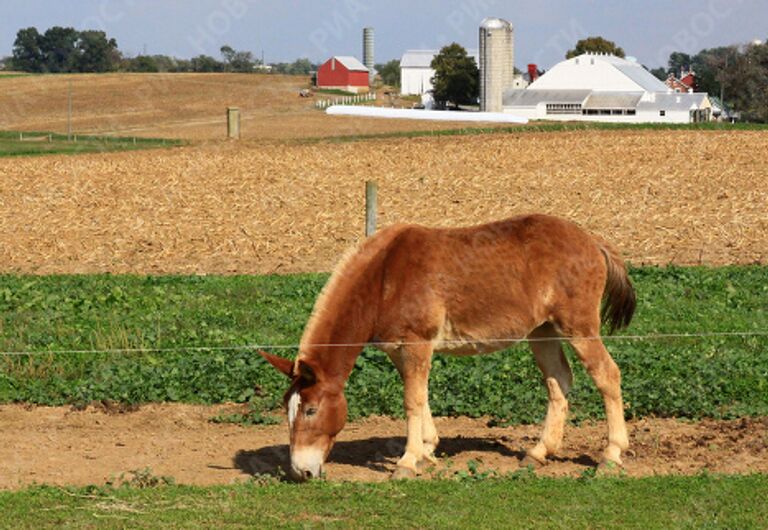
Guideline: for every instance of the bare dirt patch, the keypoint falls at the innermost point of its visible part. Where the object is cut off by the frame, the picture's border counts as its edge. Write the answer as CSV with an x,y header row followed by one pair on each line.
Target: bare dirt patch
x,y
662,197
61,446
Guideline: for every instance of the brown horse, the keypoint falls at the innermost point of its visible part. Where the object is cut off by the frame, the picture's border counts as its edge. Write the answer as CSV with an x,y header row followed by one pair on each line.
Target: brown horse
x,y
412,291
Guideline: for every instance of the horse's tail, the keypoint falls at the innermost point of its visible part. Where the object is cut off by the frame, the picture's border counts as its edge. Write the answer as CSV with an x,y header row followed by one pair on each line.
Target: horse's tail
x,y
619,300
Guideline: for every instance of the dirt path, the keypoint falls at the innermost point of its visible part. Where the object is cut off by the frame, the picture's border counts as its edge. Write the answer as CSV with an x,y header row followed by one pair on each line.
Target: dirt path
x,y
65,447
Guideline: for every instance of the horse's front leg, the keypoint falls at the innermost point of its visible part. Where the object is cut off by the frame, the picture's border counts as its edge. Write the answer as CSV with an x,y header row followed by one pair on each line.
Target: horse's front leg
x,y
413,363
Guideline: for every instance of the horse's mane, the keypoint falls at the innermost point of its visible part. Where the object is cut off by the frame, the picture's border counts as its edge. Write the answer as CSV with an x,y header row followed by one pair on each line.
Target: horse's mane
x,y
347,273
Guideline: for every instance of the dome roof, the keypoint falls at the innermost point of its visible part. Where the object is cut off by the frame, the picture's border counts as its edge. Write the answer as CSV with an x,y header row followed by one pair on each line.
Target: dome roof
x,y
494,23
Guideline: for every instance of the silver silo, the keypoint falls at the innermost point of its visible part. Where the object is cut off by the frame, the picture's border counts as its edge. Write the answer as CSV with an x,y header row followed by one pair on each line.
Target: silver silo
x,y
497,62
368,59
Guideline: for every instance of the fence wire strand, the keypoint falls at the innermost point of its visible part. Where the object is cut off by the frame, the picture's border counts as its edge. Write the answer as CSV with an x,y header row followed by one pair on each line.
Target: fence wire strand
x,y
491,341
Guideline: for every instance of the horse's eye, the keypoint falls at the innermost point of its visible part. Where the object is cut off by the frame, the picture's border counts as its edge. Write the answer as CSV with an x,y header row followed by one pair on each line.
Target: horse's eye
x,y
310,411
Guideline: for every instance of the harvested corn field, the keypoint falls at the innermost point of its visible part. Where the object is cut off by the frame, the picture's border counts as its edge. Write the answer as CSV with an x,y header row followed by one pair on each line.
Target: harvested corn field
x,y
183,106
684,197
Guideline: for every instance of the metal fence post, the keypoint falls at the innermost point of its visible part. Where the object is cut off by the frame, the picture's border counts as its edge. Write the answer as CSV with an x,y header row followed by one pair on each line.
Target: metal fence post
x,y
371,196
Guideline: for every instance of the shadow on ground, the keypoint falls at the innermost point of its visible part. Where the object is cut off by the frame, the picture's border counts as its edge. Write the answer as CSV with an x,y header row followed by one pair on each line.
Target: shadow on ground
x,y
378,454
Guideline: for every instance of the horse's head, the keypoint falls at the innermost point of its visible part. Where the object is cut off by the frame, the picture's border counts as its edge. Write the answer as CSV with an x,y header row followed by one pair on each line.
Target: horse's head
x,y
317,411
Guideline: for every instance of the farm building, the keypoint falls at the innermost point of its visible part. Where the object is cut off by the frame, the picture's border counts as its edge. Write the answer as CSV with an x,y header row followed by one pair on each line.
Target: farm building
x,y
416,71
598,87
686,82
343,73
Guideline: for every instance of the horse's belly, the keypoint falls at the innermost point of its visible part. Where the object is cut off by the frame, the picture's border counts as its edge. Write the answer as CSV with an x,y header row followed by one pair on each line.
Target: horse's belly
x,y
467,348
455,341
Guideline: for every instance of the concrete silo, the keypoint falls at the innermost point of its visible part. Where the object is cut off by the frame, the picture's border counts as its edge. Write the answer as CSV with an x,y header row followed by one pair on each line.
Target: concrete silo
x,y
368,59
497,62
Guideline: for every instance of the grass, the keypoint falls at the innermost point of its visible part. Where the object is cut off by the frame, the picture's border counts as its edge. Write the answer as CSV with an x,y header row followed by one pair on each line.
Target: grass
x,y
10,75
46,143
722,376
517,501
544,127
334,92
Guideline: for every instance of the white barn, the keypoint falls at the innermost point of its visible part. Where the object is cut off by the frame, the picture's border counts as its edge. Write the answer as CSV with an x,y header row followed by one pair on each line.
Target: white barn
x,y
416,72
593,87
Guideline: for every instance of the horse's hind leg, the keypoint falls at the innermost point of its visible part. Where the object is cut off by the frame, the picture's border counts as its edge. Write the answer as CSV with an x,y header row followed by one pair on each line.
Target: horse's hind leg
x,y
607,377
558,379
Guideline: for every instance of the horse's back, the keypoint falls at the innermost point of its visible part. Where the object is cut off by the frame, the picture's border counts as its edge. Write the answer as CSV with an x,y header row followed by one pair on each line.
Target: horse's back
x,y
496,279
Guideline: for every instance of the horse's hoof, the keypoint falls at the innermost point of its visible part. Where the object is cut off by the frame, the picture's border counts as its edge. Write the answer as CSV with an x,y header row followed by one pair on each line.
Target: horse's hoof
x,y
426,463
403,473
530,461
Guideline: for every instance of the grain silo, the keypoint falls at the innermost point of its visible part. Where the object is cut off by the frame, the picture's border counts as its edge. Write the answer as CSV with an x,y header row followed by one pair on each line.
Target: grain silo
x,y
368,59
497,62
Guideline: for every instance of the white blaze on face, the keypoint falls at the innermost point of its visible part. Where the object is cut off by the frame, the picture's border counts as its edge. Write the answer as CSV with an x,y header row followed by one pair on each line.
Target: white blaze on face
x,y
294,402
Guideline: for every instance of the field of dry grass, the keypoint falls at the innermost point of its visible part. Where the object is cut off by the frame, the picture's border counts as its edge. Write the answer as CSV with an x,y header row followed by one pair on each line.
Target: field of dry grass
x,y
686,197
186,106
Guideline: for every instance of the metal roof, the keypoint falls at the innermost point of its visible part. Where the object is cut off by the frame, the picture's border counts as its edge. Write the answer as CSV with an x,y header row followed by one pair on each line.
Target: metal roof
x,y
494,23
531,98
612,100
674,101
423,58
645,79
351,63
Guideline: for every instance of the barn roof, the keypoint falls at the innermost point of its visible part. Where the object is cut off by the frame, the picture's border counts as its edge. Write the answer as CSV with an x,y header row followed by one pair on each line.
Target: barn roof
x,y
675,101
351,63
599,72
531,98
423,58
613,100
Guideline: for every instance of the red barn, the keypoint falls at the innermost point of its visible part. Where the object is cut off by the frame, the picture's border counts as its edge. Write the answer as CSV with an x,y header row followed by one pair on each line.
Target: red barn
x,y
343,73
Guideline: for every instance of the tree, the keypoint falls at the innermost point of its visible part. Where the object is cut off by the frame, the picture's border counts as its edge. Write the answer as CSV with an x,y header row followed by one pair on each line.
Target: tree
x,y
143,64
660,73
595,45
457,78
678,61
237,61
96,53
205,63
389,72
750,95
300,67
713,69
27,52
59,48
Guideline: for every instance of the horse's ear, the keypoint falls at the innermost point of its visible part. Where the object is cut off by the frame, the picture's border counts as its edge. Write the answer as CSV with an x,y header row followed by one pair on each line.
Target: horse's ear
x,y
307,373
281,363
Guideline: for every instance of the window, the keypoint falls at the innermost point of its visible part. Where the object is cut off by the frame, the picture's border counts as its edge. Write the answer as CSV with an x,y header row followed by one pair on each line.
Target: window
x,y
662,113
631,112
563,108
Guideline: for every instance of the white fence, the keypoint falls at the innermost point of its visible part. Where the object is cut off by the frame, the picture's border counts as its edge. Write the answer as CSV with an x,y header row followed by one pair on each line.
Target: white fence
x,y
345,100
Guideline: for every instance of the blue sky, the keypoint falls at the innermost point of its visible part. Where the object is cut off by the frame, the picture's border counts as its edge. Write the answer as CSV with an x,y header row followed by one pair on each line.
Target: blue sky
x,y
288,29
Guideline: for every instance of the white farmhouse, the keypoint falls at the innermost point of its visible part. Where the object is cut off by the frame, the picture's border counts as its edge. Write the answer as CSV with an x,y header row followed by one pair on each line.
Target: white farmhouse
x,y
597,87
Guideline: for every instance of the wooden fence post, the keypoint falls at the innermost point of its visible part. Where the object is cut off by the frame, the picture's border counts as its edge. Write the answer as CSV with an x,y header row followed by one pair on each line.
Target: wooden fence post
x,y
233,123
371,196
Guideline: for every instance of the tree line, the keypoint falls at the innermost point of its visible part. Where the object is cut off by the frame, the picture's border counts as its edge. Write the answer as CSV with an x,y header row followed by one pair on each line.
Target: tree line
x,y
67,50
737,74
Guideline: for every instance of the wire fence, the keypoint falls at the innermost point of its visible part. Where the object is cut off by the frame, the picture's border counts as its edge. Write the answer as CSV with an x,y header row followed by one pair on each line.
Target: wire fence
x,y
484,342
